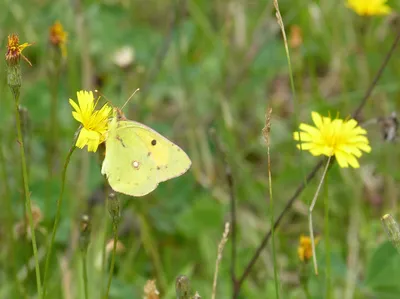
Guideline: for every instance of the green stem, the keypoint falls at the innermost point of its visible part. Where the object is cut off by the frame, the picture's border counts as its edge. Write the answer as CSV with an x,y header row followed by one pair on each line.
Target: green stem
x,y
57,219
27,193
115,229
271,206
84,269
103,252
151,247
310,210
327,243
292,86
306,289
53,128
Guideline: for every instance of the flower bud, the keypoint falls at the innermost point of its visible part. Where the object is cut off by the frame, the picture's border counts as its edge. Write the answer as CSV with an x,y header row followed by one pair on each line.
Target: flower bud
x,y
114,208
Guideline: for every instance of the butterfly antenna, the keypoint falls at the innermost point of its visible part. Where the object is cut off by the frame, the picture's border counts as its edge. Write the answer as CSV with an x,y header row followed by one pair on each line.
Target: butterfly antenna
x,y
129,98
102,95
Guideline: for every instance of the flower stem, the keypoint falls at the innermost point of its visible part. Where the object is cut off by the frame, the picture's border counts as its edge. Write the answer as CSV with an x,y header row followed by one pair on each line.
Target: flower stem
x,y
267,135
103,252
57,218
84,270
304,277
327,244
84,239
115,230
26,191
310,215
53,128
292,86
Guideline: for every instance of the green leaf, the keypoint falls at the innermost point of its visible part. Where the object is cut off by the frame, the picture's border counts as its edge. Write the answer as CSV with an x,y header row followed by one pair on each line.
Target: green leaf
x,y
383,272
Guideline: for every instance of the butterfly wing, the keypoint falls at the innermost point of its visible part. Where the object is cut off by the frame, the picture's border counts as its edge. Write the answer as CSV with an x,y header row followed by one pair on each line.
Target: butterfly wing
x,y
138,158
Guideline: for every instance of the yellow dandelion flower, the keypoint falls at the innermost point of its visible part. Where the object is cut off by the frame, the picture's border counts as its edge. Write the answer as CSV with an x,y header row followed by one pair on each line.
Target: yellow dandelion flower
x,y
58,37
94,122
14,50
304,251
369,7
343,139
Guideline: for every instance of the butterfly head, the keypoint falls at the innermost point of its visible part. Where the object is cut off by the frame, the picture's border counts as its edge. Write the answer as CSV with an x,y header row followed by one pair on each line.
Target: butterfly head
x,y
119,115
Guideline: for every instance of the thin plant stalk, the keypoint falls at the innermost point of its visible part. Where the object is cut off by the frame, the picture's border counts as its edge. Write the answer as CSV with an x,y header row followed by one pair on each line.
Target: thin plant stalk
x,y
28,205
327,242
292,86
151,247
266,133
53,128
219,258
310,215
103,252
84,239
84,273
57,218
232,198
115,229
306,291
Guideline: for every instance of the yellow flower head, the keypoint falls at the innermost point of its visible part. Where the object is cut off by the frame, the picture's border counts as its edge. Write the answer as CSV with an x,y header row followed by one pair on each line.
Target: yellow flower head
x,y
304,251
369,7
14,50
58,37
343,139
94,122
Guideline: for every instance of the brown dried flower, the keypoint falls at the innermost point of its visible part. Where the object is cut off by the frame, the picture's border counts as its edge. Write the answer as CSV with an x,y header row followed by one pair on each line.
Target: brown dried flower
x,y
58,37
14,50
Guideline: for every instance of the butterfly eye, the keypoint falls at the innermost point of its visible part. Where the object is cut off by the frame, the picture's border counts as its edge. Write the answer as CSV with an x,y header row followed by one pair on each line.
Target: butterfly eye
x,y
153,142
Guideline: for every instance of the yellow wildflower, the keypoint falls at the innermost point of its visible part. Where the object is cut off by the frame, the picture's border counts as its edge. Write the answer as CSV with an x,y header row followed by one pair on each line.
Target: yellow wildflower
x,y
369,7
14,50
58,37
94,122
343,139
304,251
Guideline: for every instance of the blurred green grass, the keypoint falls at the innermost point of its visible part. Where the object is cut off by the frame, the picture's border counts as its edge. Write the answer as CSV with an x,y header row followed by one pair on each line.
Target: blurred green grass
x,y
225,64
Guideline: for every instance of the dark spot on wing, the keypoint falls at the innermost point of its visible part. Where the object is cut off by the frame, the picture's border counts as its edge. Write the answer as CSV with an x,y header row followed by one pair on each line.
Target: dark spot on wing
x,y
158,168
148,154
120,140
153,142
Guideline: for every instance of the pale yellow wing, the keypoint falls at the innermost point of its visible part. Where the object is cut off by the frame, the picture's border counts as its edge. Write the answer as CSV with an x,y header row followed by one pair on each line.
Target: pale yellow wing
x,y
138,158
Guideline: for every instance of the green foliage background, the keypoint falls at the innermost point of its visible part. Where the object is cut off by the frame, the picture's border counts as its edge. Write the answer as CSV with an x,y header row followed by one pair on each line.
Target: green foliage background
x,y
200,65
